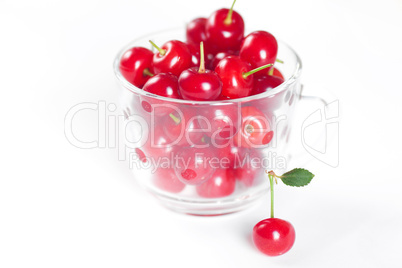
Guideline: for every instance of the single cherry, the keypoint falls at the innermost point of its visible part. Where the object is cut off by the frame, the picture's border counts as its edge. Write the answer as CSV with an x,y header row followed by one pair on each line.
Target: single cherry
x,y
265,83
172,57
194,166
274,236
165,85
220,184
200,83
166,179
195,31
255,130
225,30
259,48
136,65
236,76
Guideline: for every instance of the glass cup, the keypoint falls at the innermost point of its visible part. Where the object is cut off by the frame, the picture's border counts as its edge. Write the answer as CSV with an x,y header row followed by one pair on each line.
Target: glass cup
x,y
209,157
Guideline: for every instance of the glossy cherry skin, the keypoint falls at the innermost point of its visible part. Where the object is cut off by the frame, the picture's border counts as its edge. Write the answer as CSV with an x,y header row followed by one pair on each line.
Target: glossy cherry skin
x,y
176,59
274,236
222,37
165,85
195,31
193,165
265,83
218,57
195,54
219,185
199,86
259,48
231,70
133,63
255,130
166,179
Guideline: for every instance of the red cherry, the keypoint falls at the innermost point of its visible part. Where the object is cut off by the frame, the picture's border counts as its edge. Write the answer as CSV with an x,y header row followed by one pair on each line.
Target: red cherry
x,y
255,131
193,165
218,57
259,48
136,65
165,85
166,179
225,30
219,185
265,83
274,236
195,31
234,84
199,86
200,83
172,57
183,129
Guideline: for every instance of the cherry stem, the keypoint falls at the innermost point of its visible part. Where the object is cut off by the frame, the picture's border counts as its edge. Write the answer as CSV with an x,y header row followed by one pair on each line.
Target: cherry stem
x,y
201,70
161,51
271,71
279,60
271,184
175,119
256,70
228,19
146,72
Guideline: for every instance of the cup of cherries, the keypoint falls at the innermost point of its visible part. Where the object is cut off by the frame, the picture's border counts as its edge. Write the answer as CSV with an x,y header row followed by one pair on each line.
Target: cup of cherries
x,y
208,109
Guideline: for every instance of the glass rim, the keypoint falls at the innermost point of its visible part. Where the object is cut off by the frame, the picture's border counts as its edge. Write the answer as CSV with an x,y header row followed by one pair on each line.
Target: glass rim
x,y
123,81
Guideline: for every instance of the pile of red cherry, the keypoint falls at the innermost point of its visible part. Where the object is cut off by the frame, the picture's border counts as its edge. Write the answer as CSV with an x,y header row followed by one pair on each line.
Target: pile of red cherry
x,y
233,66
216,63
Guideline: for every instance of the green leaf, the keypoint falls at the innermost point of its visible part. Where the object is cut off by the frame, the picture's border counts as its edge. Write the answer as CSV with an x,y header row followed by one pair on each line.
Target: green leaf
x,y
297,177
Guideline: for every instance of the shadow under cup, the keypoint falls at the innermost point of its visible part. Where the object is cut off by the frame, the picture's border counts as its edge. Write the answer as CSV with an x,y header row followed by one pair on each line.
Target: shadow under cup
x,y
208,158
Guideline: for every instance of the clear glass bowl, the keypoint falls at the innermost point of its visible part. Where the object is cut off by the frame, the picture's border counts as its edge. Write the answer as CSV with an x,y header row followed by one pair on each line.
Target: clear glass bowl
x,y
148,118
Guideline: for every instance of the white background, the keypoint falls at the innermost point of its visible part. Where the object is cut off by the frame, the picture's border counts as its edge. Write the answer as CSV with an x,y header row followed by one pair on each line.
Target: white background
x,y
61,206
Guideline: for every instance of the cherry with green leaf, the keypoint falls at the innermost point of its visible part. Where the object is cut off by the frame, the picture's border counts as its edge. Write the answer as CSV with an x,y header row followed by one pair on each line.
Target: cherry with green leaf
x,y
274,236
